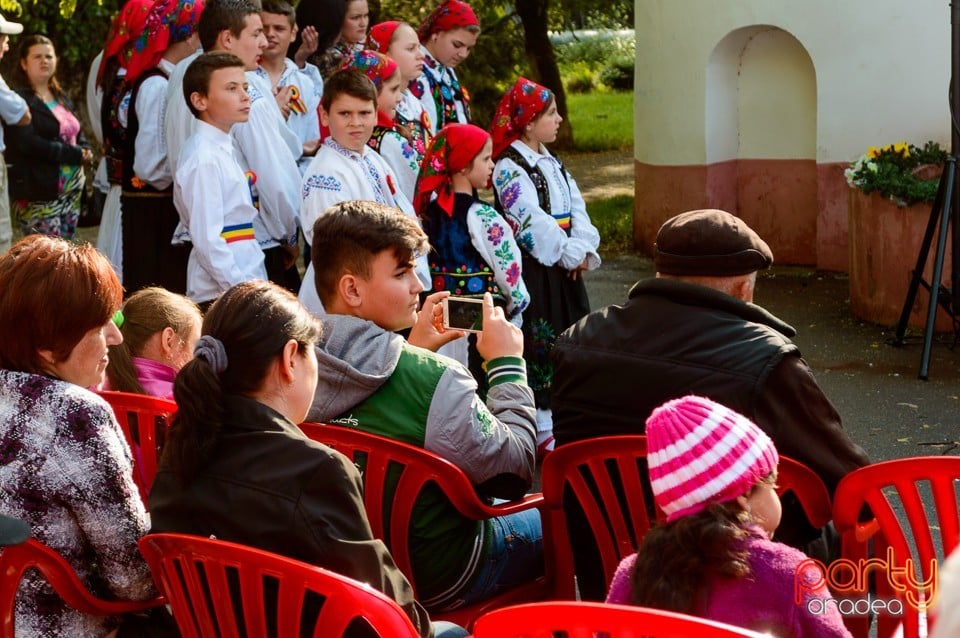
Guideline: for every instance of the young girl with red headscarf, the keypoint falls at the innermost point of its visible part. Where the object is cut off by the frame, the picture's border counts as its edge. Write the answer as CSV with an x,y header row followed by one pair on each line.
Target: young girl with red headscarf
x,y
541,201
389,139
447,37
472,247
399,42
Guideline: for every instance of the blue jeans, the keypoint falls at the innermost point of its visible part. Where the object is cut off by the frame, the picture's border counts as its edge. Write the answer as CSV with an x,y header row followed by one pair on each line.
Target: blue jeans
x,y
514,556
444,629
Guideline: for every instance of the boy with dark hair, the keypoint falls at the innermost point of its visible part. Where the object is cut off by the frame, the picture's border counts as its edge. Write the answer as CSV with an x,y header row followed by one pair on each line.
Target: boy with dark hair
x,y
267,149
374,380
346,168
210,188
298,89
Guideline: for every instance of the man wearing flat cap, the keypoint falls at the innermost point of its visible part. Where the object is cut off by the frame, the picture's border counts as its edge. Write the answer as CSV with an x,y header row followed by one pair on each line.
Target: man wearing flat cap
x,y
695,330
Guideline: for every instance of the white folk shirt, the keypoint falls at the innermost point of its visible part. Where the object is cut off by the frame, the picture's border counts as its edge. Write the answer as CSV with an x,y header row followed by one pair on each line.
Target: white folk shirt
x,y
150,148
12,109
264,146
537,231
213,199
403,159
303,120
178,121
444,75
336,175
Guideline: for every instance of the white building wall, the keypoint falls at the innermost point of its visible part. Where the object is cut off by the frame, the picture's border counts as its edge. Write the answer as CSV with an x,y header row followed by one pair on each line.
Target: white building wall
x,y
881,69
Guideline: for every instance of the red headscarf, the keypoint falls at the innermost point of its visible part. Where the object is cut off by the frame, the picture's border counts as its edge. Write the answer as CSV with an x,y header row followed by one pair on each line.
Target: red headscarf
x,y
451,150
125,28
381,34
168,21
523,102
451,14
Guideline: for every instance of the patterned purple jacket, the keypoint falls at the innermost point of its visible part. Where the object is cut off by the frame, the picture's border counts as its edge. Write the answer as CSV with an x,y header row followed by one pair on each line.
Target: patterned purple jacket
x,y
66,469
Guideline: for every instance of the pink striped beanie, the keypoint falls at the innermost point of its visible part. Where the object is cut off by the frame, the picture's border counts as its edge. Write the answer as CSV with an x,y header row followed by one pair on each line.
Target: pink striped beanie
x,y
700,452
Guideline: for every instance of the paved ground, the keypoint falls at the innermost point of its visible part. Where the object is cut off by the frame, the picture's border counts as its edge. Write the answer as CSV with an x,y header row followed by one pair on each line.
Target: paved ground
x,y
885,407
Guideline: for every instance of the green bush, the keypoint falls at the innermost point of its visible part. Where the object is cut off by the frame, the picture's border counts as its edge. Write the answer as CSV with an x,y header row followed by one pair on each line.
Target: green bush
x,y
613,217
617,73
578,77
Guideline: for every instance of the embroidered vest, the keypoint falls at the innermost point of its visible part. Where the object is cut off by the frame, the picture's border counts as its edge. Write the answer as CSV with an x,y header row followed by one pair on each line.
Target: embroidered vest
x,y
538,179
131,183
455,265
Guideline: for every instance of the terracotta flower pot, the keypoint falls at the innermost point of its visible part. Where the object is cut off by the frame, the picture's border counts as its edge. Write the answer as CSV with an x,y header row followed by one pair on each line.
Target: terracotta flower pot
x,y
884,243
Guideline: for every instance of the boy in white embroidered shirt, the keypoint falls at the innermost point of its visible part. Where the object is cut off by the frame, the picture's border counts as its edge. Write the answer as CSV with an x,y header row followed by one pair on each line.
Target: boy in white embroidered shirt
x,y
345,168
210,189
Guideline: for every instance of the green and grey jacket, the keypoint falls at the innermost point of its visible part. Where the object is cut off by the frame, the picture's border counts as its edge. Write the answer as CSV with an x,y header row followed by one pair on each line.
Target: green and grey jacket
x,y
373,380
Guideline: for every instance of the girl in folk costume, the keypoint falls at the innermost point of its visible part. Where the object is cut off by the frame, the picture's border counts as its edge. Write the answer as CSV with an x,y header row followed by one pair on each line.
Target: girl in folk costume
x,y
115,101
352,37
549,217
472,247
389,139
447,37
149,216
399,42
713,473
473,250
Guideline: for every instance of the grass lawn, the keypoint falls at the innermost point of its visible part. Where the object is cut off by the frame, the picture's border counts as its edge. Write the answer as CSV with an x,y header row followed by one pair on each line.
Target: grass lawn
x,y
613,217
601,120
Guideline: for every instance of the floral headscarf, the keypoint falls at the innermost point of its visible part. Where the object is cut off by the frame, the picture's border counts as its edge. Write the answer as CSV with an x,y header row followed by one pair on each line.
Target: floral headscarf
x,y
523,102
168,21
124,30
372,64
451,14
381,34
451,151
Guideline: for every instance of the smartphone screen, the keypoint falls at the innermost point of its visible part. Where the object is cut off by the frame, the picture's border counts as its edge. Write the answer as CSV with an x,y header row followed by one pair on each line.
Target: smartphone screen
x,y
463,314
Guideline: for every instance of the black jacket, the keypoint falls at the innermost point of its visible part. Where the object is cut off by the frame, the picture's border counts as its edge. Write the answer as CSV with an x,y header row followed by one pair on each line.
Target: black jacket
x,y
268,486
672,338
35,152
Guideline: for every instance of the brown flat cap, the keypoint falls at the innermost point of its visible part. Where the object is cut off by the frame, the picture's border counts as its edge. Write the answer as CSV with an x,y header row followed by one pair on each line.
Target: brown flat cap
x,y
709,243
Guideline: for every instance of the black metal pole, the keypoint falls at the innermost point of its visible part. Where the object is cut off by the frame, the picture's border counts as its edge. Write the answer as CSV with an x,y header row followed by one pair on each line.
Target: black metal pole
x,y
953,203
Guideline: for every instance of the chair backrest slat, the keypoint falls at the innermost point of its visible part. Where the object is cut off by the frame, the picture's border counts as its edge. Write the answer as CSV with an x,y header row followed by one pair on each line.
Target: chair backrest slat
x,y
144,420
908,499
219,589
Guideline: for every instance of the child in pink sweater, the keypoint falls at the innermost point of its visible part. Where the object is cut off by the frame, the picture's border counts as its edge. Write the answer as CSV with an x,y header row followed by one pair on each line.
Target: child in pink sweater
x,y
713,473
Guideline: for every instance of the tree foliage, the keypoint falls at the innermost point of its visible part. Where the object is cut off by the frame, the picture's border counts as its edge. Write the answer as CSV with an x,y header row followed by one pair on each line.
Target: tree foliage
x,y
78,29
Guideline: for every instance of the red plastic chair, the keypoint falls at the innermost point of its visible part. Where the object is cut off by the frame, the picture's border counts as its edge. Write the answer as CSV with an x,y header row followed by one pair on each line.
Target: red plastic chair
x,y
32,554
599,472
587,620
144,420
219,589
386,460
909,499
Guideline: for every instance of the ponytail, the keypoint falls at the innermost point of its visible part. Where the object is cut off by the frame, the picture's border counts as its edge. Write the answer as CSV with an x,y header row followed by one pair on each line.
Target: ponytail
x,y
244,332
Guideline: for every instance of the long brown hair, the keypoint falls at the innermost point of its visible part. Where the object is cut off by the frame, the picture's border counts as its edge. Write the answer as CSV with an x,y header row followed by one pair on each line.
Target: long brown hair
x,y
676,559
145,313
20,76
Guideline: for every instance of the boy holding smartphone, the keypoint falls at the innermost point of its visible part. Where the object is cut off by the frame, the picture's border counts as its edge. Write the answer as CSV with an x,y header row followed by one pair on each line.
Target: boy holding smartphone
x,y
374,380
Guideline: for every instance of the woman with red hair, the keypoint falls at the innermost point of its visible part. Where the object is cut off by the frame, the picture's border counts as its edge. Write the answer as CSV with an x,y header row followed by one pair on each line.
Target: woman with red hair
x,y
66,468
